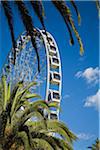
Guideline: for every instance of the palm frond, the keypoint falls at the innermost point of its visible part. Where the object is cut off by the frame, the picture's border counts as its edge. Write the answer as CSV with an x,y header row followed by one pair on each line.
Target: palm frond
x,y
21,96
77,36
8,14
5,88
35,114
35,106
26,89
57,5
66,14
28,23
13,98
1,106
25,128
54,104
37,126
70,33
76,10
61,129
41,144
8,92
22,101
38,8
23,136
63,145
1,97
98,6
3,122
52,126
32,110
29,96
45,137
4,113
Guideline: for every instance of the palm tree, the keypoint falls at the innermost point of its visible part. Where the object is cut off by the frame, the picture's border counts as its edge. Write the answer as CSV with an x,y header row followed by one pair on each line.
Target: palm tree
x,y
96,145
38,8
23,125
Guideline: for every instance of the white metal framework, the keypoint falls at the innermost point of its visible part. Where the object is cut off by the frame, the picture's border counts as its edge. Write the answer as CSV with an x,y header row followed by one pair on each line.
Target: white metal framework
x,y
26,61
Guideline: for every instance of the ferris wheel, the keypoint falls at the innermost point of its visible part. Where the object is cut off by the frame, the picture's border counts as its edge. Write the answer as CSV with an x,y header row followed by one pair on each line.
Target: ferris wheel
x,y
49,80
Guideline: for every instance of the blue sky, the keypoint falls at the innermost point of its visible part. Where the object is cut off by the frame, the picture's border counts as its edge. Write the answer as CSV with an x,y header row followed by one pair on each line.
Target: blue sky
x,y
80,73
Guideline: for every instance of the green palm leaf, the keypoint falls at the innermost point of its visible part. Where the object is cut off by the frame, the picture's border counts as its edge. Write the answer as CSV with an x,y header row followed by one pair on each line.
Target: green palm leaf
x,y
45,137
39,144
53,127
23,136
61,129
21,96
4,84
63,145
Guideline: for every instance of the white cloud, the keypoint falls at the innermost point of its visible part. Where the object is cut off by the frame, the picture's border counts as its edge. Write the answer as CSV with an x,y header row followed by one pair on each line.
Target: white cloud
x,y
91,75
66,96
84,136
93,101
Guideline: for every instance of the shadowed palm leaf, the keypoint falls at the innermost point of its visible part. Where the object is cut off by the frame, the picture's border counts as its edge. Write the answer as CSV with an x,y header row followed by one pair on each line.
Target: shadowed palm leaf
x,y
66,14
39,10
27,21
77,12
8,14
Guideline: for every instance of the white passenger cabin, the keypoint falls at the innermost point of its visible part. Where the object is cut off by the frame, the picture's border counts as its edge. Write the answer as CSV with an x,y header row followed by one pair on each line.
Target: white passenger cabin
x,y
54,62
53,96
51,41
54,77
52,50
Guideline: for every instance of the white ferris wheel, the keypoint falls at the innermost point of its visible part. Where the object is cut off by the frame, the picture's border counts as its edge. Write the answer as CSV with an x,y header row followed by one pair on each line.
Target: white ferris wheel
x,y
25,68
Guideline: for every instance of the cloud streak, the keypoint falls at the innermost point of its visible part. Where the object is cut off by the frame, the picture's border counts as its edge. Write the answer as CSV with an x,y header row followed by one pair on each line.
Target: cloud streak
x,y
93,101
66,96
84,136
91,75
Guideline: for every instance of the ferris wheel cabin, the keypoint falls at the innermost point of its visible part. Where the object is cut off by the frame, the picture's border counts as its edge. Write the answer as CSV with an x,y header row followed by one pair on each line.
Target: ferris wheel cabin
x,y
53,96
54,62
55,77
52,50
